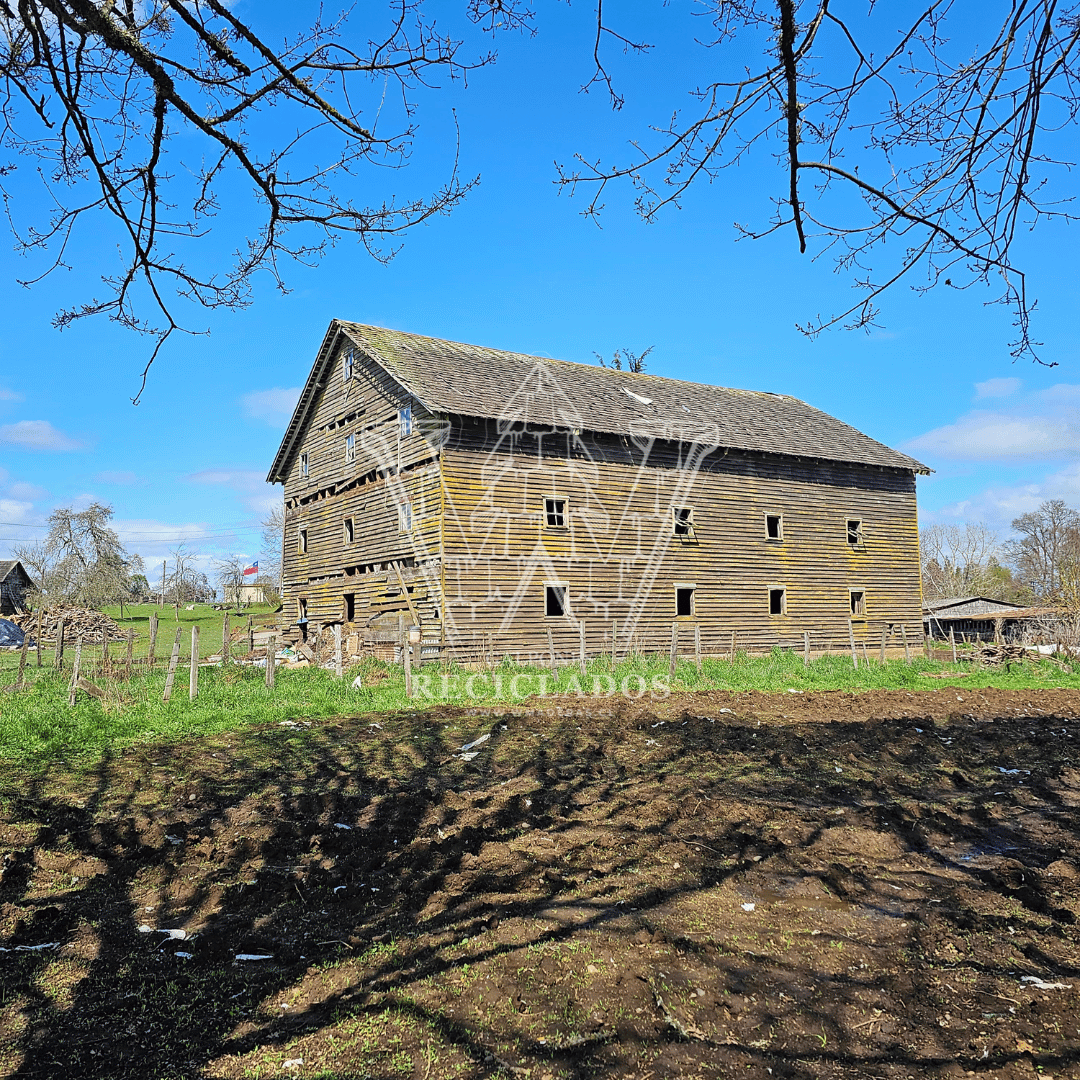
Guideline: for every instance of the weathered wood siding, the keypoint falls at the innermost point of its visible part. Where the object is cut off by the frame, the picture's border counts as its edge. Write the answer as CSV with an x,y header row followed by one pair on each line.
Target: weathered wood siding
x,y
389,471
621,561
476,559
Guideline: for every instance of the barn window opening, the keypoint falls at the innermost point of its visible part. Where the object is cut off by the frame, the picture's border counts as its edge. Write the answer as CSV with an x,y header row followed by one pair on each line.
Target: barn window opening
x,y
774,526
301,545
858,602
347,364
301,611
350,607
350,448
554,601
348,530
777,601
684,602
854,532
683,520
555,513
404,517
304,464
405,420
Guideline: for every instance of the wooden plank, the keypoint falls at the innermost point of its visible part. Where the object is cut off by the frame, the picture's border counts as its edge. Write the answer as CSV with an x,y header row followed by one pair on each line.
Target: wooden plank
x,y
271,660
581,645
337,651
37,636
884,631
697,645
153,639
193,670
174,660
674,649
226,644
130,651
854,654
907,647
58,655
75,672
406,659
21,680
806,648
952,642
614,642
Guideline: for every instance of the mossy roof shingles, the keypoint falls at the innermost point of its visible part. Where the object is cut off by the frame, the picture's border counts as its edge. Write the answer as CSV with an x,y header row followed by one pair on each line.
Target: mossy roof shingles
x,y
471,380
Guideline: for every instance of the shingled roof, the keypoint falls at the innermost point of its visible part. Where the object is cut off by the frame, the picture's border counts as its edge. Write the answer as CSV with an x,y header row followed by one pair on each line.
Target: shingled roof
x,y
470,380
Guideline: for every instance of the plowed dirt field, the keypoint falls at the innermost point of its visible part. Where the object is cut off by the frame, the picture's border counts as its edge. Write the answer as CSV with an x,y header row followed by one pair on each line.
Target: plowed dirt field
x,y
793,885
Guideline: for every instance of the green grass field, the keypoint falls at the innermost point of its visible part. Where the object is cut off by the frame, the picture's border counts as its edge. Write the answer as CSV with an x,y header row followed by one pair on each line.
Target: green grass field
x,y
38,723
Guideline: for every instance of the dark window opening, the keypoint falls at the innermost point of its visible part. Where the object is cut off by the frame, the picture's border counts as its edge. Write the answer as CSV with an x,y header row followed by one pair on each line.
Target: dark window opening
x,y
554,601
684,520
858,602
302,543
774,526
776,601
348,530
684,602
555,513
350,607
854,533
304,464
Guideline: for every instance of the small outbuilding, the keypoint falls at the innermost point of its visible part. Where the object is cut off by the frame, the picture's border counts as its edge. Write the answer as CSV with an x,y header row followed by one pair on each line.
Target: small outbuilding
x,y
980,618
15,584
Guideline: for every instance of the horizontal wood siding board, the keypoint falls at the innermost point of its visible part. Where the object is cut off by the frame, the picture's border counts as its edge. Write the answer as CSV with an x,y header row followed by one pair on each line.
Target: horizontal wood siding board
x,y
495,542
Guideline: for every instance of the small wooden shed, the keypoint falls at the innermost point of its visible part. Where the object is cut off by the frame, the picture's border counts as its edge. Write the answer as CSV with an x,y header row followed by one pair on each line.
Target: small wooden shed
x,y
15,583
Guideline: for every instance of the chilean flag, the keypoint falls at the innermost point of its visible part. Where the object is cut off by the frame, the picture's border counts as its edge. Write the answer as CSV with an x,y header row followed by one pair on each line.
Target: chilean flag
x,y
252,569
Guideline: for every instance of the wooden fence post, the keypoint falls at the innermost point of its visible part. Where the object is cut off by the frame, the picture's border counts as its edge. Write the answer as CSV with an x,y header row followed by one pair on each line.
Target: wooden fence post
x,y
614,642
22,660
58,654
37,636
907,647
130,651
551,648
883,633
105,664
170,675
337,650
581,644
865,655
806,648
193,671
153,641
406,659
271,660
75,672
733,646
674,648
926,645
952,642
854,654
697,645
251,637
226,655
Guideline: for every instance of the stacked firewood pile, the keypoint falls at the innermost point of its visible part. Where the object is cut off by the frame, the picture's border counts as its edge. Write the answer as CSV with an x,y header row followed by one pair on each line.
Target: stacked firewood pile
x,y
91,626
992,653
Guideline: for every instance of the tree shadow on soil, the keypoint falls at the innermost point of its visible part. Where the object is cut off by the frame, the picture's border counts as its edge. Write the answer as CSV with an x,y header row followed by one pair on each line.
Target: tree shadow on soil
x,y
604,895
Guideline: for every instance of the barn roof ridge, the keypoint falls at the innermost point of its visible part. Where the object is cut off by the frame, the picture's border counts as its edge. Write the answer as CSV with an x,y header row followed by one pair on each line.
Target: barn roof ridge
x,y
475,380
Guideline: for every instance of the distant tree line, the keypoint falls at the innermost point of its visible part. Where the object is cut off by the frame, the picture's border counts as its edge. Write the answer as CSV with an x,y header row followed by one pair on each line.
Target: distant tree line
x,y
1039,565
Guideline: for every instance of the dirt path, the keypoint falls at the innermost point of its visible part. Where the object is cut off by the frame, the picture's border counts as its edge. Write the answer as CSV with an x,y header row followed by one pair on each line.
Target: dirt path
x,y
790,885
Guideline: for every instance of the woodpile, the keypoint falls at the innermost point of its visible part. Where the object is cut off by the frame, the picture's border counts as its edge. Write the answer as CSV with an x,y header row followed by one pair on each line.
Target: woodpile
x,y
91,626
991,654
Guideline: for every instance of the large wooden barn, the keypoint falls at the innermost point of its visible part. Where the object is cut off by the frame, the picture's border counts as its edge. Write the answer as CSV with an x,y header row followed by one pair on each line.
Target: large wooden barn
x,y
503,502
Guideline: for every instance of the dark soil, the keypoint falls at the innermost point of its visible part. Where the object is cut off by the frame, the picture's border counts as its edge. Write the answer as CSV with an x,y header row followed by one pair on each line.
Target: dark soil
x,y
791,885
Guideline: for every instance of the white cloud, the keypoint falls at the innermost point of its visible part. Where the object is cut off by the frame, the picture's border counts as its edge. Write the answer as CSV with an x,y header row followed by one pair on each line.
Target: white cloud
x,y
21,490
113,476
37,435
9,395
256,494
997,388
18,512
274,406
1043,424
997,506
982,436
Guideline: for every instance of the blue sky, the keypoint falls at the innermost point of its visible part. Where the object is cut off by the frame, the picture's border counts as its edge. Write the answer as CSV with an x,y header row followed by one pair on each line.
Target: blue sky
x,y
518,267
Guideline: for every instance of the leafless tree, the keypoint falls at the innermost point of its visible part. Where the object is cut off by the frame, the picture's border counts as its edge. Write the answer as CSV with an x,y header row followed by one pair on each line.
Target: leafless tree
x,y
963,560
81,560
1047,551
273,527
186,583
230,574
913,144
149,114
